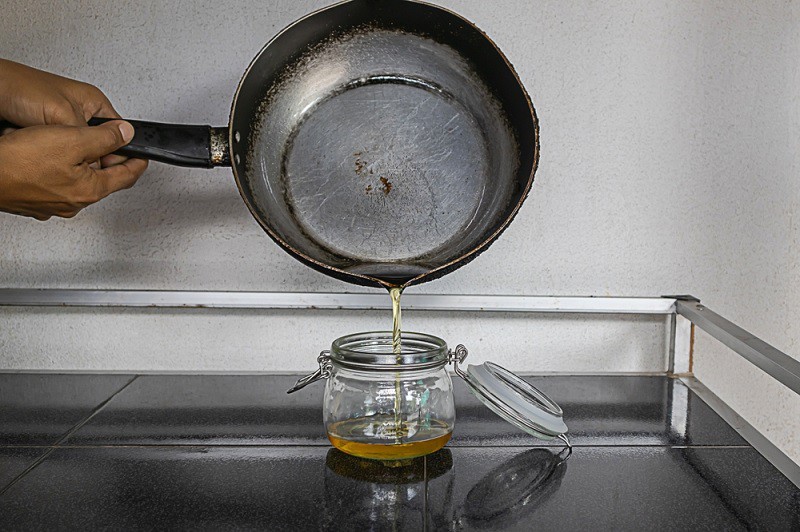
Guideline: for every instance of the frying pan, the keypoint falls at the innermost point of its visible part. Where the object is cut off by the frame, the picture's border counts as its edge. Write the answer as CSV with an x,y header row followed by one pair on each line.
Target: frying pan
x,y
381,142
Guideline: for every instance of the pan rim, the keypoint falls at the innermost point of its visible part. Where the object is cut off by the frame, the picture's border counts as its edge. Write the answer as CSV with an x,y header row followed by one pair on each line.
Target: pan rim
x,y
462,259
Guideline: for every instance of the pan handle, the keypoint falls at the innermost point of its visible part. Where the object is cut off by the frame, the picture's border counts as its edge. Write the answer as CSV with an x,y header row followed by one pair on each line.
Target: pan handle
x,y
176,144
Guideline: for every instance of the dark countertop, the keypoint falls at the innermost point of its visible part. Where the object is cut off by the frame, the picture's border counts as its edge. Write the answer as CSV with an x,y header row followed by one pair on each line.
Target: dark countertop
x,y
221,452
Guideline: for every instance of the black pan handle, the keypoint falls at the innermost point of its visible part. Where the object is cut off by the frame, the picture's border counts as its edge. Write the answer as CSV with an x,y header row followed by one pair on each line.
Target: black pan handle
x,y
176,144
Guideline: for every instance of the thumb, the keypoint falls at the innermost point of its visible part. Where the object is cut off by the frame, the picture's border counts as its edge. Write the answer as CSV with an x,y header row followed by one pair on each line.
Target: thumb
x,y
94,142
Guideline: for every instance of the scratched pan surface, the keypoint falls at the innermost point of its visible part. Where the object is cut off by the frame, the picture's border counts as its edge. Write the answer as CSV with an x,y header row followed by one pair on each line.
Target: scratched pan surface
x,y
383,142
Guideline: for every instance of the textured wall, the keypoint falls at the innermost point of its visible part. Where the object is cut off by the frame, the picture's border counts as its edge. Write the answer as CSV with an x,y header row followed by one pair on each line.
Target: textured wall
x,y
669,164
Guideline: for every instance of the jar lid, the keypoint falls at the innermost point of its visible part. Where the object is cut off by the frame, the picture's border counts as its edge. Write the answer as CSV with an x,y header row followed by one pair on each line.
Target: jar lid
x,y
515,400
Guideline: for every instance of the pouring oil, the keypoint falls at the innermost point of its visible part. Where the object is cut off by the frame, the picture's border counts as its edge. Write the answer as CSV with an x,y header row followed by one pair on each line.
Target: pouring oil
x,y
395,294
401,429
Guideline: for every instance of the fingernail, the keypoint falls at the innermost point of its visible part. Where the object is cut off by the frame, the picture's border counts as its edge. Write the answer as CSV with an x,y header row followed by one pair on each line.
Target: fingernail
x,y
127,131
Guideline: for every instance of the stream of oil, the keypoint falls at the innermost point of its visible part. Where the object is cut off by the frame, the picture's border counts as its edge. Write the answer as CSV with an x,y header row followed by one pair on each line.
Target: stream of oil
x,y
400,427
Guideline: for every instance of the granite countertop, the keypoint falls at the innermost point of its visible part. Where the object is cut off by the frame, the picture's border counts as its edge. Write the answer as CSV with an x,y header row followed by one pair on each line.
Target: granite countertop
x,y
228,451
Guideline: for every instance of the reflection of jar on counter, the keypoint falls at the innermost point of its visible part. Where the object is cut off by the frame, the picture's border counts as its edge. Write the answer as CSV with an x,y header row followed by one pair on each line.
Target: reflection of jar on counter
x,y
366,495
387,406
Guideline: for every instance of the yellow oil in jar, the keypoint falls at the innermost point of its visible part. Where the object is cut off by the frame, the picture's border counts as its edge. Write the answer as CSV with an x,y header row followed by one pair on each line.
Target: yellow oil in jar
x,y
359,437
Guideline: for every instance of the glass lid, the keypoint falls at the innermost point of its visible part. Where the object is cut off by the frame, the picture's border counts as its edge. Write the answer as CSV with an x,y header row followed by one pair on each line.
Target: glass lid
x,y
513,399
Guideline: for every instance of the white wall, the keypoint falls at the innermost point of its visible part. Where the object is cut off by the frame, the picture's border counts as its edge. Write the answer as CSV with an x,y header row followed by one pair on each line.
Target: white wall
x,y
669,165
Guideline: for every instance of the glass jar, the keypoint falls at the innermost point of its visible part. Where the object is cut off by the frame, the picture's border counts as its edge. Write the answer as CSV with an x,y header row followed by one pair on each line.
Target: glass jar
x,y
394,406
386,406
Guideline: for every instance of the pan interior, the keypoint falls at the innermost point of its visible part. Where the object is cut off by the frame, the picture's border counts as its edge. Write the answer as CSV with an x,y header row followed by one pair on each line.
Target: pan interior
x,y
386,170
381,153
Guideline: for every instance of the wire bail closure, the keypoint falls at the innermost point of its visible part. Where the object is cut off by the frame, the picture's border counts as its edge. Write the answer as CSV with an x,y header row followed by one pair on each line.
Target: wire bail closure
x,y
323,372
456,356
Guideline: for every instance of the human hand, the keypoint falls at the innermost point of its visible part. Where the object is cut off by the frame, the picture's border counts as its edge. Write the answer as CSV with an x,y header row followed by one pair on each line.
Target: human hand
x,y
31,97
47,170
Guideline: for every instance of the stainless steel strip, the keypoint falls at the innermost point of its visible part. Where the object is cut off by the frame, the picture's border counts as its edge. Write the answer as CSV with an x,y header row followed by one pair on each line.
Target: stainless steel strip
x,y
313,300
776,363
300,373
760,443
680,354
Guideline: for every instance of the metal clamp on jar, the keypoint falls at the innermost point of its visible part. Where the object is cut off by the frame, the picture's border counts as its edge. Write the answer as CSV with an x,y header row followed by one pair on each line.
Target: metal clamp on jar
x,y
393,406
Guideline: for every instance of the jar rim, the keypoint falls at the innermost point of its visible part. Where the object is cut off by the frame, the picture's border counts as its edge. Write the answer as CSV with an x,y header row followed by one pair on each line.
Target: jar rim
x,y
373,351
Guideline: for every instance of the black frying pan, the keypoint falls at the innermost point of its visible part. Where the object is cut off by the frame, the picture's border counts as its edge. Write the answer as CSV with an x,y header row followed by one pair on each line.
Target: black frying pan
x,y
382,142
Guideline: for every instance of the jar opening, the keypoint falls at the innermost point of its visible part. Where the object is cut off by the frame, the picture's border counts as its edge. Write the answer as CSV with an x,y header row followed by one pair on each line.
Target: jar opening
x,y
374,351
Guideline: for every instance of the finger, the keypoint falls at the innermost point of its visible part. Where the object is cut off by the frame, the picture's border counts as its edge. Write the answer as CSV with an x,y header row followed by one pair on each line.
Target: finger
x,y
121,176
68,213
80,119
98,104
107,111
65,114
112,160
101,109
98,141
